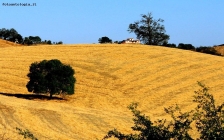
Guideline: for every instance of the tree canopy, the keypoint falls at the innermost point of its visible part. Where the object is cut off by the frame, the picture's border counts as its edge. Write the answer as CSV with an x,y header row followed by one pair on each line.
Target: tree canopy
x,y
149,30
185,46
51,76
105,39
35,39
11,35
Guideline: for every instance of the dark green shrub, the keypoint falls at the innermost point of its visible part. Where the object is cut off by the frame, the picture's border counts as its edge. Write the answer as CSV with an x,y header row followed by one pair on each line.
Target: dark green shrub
x,y
27,41
60,42
186,46
26,134
49,42
171,45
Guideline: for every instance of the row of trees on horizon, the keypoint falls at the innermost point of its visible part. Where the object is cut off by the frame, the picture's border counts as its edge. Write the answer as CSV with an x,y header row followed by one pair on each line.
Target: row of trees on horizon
x,y
150,31
13,36
203,49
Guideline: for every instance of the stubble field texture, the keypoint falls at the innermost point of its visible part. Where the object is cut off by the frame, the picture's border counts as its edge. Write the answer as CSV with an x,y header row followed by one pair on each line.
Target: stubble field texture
x,y
109,78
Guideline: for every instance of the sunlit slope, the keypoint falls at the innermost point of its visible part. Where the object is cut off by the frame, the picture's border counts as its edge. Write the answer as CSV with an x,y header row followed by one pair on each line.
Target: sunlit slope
x,y
109,78
4,43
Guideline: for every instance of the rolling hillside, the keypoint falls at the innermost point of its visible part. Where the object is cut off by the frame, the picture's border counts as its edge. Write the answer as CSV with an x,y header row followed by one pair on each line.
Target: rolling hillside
x,y
4,43
109,78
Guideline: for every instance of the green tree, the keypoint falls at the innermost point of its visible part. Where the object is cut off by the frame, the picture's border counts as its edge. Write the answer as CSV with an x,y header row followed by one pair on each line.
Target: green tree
x,y
27,41
60,42
207,117
149,30
51,77
35,39
10,35
49,42
19,38
4,33
105,39
171,45
116,42
185,46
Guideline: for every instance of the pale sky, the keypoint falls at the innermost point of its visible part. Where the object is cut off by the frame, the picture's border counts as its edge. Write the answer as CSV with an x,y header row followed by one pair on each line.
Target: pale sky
x,y
196,22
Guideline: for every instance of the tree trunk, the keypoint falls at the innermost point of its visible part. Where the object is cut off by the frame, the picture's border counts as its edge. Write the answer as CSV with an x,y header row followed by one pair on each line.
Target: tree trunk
x,y
50,96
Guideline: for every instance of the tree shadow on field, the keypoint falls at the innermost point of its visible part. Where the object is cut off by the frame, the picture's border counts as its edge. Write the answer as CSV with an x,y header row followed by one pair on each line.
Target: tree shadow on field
x,y
32,96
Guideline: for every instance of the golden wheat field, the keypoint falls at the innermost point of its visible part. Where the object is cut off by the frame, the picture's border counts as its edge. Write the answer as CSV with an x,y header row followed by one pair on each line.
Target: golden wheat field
x,y
4,43
109,78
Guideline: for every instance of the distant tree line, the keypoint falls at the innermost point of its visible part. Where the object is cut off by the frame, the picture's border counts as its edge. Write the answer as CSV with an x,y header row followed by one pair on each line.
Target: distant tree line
x,y
150,31
208,50
202,49
13,36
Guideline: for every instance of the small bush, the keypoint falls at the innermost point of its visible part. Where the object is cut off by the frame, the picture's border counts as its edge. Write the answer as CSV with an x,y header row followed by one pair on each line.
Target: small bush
x,y
26,134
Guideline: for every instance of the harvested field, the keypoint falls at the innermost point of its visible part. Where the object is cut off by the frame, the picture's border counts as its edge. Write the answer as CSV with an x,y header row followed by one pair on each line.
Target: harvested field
x,y
109,78
4,43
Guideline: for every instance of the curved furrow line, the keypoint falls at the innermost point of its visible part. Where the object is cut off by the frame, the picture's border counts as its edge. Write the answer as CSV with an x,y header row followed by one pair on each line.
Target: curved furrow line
x,y
129,66
8,117
97,71
150,77
96,122
53,121
163,82
194,69
156,65
176,89
182,78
